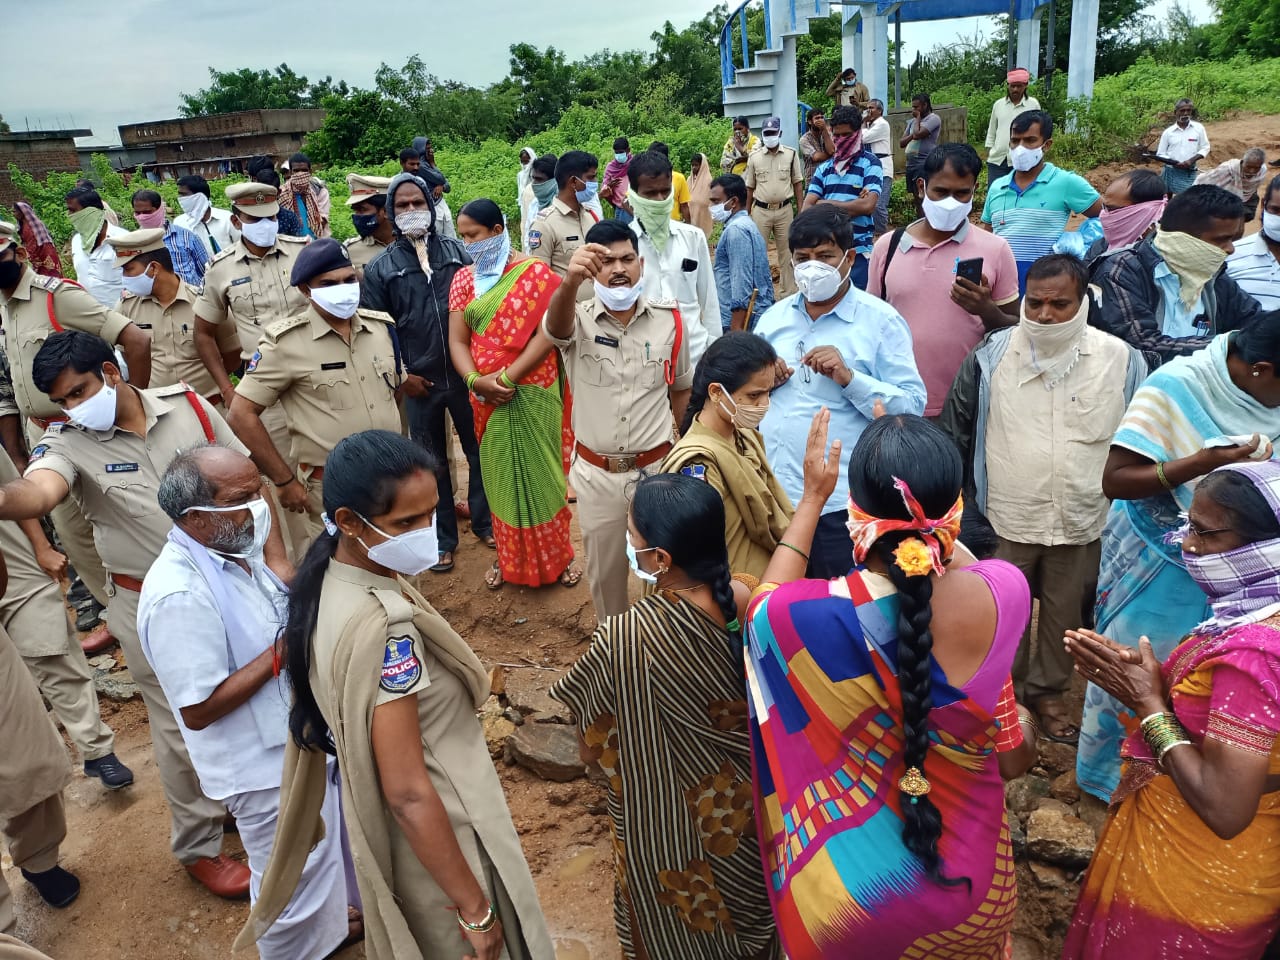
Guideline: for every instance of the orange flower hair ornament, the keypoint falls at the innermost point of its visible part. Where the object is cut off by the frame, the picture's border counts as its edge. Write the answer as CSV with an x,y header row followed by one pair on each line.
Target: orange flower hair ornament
x,y
915,556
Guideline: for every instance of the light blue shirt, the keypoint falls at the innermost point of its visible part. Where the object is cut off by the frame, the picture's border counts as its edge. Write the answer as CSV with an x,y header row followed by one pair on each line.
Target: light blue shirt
x,y
1178,321
875,343
742,265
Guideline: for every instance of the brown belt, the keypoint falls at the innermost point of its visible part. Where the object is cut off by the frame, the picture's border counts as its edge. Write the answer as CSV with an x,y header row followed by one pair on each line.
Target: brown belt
x,y
128,583
773,206
43,422
624,463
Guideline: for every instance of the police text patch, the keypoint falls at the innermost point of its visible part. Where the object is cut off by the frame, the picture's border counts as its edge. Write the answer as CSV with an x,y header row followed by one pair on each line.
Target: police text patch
x,y
401,668
122,468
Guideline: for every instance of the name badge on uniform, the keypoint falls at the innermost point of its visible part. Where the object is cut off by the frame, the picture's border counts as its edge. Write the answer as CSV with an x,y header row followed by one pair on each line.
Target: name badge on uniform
x,y
570,239
240,280
340,365
122,468
401,667
607,341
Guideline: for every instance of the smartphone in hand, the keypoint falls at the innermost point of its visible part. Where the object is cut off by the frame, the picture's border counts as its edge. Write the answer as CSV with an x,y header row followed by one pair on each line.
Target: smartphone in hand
x,y
970,270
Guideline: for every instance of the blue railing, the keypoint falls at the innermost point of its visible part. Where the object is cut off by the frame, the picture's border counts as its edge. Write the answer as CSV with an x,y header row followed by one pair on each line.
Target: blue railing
x,y
729,66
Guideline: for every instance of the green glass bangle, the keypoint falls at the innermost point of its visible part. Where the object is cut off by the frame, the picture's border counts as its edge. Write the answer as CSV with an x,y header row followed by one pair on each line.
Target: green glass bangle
x,y
472,377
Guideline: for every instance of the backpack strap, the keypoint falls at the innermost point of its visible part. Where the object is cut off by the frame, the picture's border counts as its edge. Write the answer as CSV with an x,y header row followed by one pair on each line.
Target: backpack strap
x,y
894,241
669,366
205,423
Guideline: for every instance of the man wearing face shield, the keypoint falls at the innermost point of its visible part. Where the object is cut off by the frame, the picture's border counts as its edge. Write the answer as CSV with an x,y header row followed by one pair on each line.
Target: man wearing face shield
x,y
208,618
109,456
410,281
335,370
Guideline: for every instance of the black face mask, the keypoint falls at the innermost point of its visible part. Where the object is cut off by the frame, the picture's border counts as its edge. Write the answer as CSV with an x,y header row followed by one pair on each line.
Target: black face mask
x,y
365,224
10,272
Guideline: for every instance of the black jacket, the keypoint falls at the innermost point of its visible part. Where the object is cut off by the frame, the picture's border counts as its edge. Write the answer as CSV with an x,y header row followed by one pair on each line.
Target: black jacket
x,y
396,284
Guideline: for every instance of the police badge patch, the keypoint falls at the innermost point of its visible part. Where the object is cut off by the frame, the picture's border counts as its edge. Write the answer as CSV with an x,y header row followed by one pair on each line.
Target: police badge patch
x,y
696,470
253,361
401,668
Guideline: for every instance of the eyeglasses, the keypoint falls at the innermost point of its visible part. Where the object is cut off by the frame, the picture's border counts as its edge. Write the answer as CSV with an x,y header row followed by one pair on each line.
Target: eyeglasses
x,y
1190,526
805,373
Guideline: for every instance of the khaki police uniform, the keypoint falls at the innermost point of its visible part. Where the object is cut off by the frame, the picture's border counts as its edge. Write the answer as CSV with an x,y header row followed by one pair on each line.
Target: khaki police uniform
x,y
363,250
173,340
557,231
32,613
25,316
622,422
772,176
114,475
329,388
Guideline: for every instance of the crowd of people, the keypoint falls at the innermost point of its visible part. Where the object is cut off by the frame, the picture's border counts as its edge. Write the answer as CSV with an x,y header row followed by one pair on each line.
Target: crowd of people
x,y
839,495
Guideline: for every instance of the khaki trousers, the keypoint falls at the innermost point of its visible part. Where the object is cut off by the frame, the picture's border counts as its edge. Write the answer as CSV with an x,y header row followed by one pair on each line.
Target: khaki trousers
x,y
777,224
603,501
297,531
196,821
67,683
1059,577
33,837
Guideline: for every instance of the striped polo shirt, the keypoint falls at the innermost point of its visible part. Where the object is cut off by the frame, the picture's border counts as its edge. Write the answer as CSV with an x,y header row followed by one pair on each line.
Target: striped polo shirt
x,y
1034,218
864,171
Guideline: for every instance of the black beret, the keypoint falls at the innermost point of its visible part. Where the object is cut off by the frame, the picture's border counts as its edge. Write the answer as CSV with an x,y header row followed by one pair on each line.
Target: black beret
x,y
318,256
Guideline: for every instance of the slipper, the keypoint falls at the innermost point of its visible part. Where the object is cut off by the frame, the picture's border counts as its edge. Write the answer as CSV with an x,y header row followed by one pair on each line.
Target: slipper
x,y
487,540
571,577
493,578
445,564
1054,721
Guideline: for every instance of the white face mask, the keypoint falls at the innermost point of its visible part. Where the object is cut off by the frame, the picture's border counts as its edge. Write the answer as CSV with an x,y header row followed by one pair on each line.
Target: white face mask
x,y
818,282
141,285
616,299
720,212
260,521
946,214
410,553
261,233
341,301
1023,159
770,140
195,206
414,223
97,412
1271,226
634,561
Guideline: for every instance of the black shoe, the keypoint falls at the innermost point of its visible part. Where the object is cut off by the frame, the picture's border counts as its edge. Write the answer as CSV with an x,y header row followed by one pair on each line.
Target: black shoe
x,y
57,887
110,771
89,616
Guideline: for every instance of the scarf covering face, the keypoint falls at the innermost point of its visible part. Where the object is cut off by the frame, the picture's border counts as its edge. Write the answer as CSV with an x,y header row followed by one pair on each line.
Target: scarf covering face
x,y
846,149
915,556
654,216
1126,225
1052,348
297,192
1194,261
419,243
88,222
490,257
42,252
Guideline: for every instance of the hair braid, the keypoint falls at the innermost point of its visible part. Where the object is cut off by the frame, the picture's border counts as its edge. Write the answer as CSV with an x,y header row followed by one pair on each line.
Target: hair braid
x,y
722,592
306,722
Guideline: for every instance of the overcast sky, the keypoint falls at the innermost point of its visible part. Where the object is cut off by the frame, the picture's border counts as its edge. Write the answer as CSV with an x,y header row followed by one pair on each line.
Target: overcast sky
x,y
128,60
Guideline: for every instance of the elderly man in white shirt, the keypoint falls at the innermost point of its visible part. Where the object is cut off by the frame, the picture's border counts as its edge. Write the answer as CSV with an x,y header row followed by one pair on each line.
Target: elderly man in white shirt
x,y
1182,145
1255,264
209,617
211,224
677,261
91,255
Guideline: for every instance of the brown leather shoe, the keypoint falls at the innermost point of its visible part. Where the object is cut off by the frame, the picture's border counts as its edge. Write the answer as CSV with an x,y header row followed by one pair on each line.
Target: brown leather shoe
x,y
221,876
97,640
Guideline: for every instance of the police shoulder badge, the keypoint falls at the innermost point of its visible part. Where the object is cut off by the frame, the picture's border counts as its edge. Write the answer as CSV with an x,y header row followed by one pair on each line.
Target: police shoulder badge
x,y
696,470
253,361
401,668
38,451
535,239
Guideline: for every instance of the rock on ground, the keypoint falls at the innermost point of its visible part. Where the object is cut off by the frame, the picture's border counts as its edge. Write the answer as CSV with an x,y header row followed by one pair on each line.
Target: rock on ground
x,y
1056,837
549,750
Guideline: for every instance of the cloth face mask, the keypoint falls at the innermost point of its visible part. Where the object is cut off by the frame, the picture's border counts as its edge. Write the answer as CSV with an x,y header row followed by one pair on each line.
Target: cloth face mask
x,y
262,233
141,285
195,206
545,192
97,412
616,299
341,300
720,212
744,416
365,224
149,221
1127,225
260,518
414,223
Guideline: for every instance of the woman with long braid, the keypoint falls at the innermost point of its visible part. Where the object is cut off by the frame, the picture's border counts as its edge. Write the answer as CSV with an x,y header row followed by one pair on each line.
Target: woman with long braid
x,y
882,715
659,700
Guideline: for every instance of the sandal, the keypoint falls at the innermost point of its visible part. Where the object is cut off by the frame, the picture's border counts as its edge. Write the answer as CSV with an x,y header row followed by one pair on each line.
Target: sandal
x,y
572,575
1055,722
493,577
445,564
355,931
488,540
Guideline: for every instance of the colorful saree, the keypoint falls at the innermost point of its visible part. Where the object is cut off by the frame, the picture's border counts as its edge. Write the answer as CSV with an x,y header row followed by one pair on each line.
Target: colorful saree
x,y
827,754
42,253
524,444
1162,884
673,742
1143,587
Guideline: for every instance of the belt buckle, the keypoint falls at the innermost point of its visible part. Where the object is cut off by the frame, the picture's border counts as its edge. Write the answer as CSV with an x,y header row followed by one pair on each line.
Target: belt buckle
x,y
623,464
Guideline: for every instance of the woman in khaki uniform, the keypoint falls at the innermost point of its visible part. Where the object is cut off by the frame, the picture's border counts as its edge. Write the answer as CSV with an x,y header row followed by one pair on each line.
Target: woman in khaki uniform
x,y
382,681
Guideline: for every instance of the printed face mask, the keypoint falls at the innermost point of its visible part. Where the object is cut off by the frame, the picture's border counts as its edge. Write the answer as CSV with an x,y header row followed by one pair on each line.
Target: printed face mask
x,y
634,561
366,224
97,412
414,223
410,553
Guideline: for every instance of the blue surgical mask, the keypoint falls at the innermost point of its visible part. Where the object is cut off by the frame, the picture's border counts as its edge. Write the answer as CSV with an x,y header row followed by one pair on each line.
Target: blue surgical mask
x,y
632,559
589,194
620,157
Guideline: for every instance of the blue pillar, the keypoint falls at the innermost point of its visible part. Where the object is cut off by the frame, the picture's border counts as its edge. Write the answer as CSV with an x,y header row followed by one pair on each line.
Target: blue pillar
x,y
873,44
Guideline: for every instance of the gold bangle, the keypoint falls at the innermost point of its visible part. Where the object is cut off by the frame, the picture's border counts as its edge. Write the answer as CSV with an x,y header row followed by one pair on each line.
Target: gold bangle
x,y
484,926
1164,481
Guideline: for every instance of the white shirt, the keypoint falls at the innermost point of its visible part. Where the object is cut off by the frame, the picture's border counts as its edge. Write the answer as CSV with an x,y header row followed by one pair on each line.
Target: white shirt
x,y
682,272
185,641
218,227
1184,143
96,270
1255,269
876,138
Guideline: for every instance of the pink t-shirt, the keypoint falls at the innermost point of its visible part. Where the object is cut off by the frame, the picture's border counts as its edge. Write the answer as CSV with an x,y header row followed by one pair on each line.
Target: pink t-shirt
x,y
919,282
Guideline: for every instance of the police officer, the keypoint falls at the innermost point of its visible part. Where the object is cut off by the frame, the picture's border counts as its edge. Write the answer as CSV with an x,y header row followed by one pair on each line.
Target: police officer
x,y
110,458
31,308
335,370
162,303
561,227
368,203
628,366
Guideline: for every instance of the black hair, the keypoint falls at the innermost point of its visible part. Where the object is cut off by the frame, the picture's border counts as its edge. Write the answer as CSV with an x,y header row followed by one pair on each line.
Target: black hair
x,y
976,532
924,457
546,165
1252,518
730,361
1272,186
925,99
86,197
1025,120
85,183
685,517
161,256
267,175
362,473
484,212
82,352
195,183
608,232
847,115
575,163
257,163
733,186
648,164
817,225
1145,185
408,153
1259,341
299,158
148,196
659,147
1191,210
621,145
742,122
960,157
1059,265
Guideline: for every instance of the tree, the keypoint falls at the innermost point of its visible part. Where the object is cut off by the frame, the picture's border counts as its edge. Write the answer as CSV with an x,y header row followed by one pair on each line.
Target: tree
x,y
361,127
248,89
609,76
4,127
692,57
1246,26
546,85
